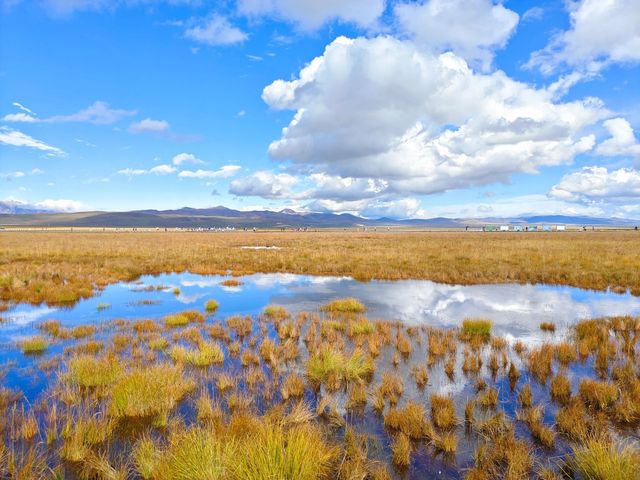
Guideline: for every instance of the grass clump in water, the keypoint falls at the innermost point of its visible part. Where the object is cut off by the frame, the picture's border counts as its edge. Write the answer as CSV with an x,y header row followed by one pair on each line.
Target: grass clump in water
x,y
207,353
211,306
344,305
145,392
183,318
548,327
281,452
598,395
443,412
476,327
275,312
34,345
90,372
332,367
598,459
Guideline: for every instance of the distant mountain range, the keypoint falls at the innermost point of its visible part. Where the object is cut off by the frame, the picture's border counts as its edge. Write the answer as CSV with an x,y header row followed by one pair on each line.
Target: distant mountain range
x,y
19,214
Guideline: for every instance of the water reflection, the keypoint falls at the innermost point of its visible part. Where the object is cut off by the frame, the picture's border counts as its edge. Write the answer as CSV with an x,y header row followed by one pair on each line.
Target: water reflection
x,y
516,310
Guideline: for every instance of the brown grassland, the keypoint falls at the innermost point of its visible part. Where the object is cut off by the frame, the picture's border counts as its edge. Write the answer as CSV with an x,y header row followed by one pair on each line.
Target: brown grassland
x,y
62,267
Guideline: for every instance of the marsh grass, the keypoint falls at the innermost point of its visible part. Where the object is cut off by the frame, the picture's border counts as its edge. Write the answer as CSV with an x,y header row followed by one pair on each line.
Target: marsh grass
x,y
211,306
34,345
150,391
90,372
344,305
476,328
204,355
598,459
111,410
93,260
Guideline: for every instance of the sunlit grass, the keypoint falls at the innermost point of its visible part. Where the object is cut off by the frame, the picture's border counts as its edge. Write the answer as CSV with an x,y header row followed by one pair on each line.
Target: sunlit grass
x,y
33,345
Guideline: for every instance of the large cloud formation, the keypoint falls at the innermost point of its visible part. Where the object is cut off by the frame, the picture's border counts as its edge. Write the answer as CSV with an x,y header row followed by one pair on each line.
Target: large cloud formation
x,y
602,32
418,123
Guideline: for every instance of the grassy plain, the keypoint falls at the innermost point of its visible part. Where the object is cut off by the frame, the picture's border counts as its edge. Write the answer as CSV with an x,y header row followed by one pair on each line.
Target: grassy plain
x,y
62,267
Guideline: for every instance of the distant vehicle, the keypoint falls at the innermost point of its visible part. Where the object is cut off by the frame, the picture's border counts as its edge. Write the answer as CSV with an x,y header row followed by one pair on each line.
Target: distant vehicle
x,y
518,228
504,228
560,228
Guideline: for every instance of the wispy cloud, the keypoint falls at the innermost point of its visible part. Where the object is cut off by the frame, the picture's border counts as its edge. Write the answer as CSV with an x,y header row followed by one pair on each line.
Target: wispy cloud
x,y
15,138
223,172
215,30
98,113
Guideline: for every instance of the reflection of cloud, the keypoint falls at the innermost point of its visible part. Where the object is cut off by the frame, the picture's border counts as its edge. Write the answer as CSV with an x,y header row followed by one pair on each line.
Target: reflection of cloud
x,y
29,315
266,280
189,299
516,310
202,282
228,289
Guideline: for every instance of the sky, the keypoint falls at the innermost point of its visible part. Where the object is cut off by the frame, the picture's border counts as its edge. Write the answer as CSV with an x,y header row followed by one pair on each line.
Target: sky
x,y
456,108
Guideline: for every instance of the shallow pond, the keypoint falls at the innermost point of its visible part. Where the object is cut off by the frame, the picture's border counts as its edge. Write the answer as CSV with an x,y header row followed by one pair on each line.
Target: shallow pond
x,y
516,312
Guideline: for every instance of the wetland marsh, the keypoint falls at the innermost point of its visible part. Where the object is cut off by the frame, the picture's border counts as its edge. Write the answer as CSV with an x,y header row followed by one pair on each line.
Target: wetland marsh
x,y
188,376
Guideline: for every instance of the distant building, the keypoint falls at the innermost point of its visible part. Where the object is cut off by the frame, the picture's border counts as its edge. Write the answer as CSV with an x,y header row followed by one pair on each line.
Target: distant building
x,y
560,228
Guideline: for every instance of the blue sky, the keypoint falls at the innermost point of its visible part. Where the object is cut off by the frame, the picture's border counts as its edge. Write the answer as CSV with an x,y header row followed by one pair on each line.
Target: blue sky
x,y
407,109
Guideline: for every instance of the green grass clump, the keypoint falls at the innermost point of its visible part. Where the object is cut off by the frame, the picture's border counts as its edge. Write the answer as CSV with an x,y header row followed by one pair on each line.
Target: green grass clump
x,y
207,353
194,454
183,318
90,372
34,345
103,306
277,452
472,327
158,343
598,459
362,326
344,305
332,367
177,320
144,392
275,312
211,306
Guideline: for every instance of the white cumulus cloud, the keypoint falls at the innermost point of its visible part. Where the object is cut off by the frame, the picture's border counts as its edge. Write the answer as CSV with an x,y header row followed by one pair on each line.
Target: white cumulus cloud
x,y
601,32
622,141
383,109
186,158
472,29
598,184
61,205
264,184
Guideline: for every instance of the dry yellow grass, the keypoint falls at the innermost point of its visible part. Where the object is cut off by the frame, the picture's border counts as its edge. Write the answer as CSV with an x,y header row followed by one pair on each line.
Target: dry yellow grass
x,y
61,267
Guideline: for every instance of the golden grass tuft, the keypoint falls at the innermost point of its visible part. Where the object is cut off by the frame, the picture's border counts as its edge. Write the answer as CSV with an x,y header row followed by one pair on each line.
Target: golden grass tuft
x,y
443,412
150,391
344,305
33,345
598,459
89,372
211,306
